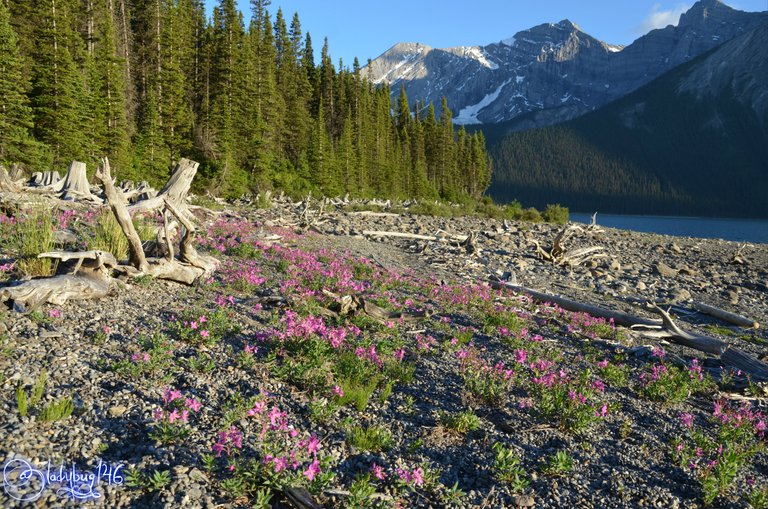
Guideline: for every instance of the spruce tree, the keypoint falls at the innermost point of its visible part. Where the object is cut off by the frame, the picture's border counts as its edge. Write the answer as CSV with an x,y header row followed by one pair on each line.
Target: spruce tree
x,y
58,94
15,113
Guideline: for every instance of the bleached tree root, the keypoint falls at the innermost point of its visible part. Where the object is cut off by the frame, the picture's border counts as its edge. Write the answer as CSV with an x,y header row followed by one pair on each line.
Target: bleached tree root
x,y
559,255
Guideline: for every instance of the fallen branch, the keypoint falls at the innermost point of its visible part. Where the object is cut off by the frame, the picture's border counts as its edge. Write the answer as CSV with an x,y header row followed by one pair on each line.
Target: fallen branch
x,y
726,316
729,356
415,236
355,304
618,317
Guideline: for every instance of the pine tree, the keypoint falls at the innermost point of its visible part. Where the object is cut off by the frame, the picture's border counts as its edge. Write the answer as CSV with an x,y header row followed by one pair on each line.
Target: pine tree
x,y
16,143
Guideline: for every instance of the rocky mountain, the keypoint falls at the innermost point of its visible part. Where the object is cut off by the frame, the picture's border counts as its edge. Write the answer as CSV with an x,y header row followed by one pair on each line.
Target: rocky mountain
x,y
555,71
693,142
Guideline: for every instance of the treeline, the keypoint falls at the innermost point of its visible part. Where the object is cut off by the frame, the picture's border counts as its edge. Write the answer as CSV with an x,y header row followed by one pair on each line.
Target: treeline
x,y
148,81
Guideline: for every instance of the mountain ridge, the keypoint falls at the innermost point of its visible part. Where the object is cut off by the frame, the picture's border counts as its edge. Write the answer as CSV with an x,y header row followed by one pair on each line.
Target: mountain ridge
x,y
553,68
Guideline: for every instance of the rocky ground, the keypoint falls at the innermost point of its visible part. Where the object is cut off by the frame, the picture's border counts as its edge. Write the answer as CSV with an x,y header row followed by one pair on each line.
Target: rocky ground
x,y
479,353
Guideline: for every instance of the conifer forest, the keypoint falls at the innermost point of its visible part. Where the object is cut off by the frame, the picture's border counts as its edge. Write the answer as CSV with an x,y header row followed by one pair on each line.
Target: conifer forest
x,y
146,82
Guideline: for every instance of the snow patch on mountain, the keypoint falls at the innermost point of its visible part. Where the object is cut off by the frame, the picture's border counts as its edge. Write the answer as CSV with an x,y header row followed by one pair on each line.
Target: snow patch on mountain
x,y
469,114
476,53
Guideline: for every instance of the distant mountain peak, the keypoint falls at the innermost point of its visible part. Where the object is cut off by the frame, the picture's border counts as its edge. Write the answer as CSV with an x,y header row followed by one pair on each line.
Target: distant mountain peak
x,y
555,71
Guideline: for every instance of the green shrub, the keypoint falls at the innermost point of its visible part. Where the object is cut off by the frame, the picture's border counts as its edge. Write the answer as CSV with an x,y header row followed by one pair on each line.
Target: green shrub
x,y
556,214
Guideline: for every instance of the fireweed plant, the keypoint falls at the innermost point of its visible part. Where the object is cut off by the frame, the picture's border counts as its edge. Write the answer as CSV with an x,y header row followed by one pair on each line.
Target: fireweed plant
x,y
716,458
263,318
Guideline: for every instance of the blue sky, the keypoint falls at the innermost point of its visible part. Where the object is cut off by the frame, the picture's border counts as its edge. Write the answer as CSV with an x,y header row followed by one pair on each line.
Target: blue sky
x,y
367,28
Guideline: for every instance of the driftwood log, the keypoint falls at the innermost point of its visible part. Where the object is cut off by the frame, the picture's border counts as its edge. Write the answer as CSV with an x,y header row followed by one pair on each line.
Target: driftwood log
x,y
726,316
90,279
7,184
665,328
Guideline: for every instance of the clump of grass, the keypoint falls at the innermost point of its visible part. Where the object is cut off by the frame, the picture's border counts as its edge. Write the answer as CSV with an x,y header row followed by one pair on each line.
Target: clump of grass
x,y
34,235
109,237
370,438
460,423
58,410
24,403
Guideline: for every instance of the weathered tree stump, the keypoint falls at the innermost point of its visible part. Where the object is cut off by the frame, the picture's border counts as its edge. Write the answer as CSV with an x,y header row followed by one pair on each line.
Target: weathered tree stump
x,y
75,186
7,184
175,190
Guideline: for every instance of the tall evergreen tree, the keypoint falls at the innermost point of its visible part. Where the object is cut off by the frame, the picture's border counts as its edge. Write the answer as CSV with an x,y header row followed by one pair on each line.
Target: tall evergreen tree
x,y
15,113
58,95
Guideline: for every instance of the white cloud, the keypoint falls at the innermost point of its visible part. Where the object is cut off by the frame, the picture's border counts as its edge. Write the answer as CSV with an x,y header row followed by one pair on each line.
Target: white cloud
x,y
659,18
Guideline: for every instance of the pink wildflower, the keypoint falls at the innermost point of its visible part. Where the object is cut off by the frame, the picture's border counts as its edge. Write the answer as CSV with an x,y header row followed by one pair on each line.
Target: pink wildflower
x,y
193,404
338,391
378,472
312,470
173,416
258,408
204,333
686,419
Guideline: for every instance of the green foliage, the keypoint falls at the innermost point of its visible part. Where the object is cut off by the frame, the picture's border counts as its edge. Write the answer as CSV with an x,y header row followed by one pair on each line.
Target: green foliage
x,y
21,400
361,493
370,438
25,403
34,235
671,384
555,214
245,101
57,410
560,463
758,497
460,423
159,480
508,468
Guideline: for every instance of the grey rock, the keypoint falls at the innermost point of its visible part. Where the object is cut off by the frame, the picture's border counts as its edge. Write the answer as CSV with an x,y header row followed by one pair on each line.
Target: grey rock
x,y
664,270
117,411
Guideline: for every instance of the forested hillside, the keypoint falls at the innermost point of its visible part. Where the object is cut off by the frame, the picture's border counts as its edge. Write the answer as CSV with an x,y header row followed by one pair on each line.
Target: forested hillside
x,y
148,81
692,142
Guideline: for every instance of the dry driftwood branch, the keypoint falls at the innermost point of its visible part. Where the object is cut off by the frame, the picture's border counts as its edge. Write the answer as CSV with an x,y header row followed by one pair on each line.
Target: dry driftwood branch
x,y
726,316
90,280
7,184
415,236
370,213
187,251
559,255
355,304
729,355
116,202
